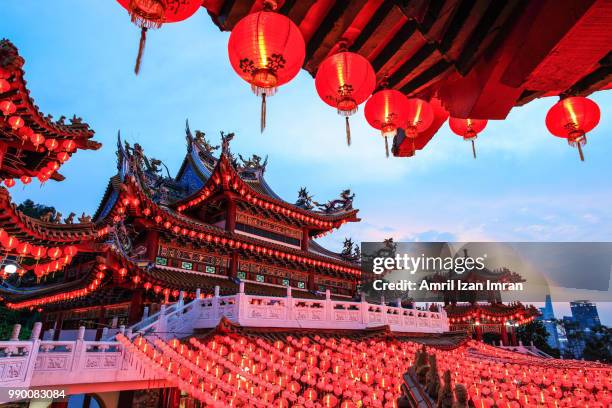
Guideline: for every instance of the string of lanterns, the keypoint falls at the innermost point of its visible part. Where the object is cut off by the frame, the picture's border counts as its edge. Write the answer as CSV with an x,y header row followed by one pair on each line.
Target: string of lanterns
x,y
267,50
92,285
232,369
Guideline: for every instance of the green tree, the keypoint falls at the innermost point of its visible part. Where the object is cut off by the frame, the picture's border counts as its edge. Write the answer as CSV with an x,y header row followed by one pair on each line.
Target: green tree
x,y
8,318
598,344
536,332
31,209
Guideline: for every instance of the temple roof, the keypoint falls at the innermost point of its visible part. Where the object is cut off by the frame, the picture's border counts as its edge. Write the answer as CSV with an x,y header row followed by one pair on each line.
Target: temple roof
x,y
479,59
20,156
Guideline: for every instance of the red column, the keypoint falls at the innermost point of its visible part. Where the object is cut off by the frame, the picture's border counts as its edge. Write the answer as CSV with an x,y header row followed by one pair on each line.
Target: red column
x,y
311,281
232,271
514,341
305,239
504,334
152,241
230,215
478,330
135,312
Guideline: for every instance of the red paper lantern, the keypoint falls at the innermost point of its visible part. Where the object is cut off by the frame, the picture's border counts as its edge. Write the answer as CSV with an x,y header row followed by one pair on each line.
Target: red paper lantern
x,y
25,179
267,50
15,122
37,139
7,107
9,182
572,118
51,144
5,86
420,117
468,129
387,110
153,13
344,81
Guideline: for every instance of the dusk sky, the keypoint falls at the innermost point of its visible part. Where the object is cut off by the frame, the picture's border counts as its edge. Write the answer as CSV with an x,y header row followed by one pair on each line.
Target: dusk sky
x,y
526,184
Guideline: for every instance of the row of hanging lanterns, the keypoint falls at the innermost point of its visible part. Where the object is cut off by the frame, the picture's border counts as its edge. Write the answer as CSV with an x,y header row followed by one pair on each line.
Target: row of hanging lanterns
x,y
267,50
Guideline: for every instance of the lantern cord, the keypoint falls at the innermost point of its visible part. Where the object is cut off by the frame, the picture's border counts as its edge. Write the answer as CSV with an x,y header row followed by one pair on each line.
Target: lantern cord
x,y
141,47
348,131
387,147
580,152
474,148
263,111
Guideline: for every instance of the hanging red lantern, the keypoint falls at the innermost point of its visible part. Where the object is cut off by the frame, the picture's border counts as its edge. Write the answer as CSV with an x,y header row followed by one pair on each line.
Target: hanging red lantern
x,y
5,86
37,139
15,122
148,14
51,144
63,156
25,179
7,107
344,81
468,129
420,116
25,132
9,182
267,50
387,110
572,118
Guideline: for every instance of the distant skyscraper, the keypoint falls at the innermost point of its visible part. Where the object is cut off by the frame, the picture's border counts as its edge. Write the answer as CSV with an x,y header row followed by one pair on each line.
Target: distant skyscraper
x,y
548,319
585,314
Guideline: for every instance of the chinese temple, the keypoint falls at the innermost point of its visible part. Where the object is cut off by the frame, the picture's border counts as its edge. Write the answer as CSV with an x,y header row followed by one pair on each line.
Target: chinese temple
x,y
216,223
207,289
32,145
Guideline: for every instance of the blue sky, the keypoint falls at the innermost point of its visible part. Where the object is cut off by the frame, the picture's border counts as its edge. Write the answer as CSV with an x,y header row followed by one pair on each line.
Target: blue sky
x,y
525,186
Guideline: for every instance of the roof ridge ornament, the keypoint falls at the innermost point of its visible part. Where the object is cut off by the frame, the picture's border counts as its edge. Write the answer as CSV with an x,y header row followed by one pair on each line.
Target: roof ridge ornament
x,y
344,203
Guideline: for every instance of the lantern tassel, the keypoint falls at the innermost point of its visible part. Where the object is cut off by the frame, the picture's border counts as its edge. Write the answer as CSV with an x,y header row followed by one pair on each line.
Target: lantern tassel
x,y
348,131
263,112
141,47
473,148
387,147
580,152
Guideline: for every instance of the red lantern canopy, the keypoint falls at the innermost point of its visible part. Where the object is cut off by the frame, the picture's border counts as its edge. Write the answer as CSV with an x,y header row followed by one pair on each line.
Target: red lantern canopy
x,y
153,13
267,50
468,129
344,81
387,110
572,118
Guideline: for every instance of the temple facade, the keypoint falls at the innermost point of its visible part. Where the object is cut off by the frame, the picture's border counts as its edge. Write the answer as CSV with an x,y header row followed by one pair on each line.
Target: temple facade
x,y
215,224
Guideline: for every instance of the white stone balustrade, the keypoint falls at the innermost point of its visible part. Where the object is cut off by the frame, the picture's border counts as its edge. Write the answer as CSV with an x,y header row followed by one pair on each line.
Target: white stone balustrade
x,y
71,364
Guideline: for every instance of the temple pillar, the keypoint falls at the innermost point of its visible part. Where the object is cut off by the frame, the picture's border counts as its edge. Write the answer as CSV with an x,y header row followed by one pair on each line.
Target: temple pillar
x,y
152,242
135,312
230,215
101,323
305,238
478,331
58,326
514,342
504,334
232,271
311,281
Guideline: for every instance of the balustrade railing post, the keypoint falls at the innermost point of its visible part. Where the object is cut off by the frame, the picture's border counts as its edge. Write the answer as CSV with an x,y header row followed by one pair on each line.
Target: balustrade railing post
x,y
241,303
198,293
289,305
383,310
328,306
181,299
36,331
216,304
364,310
162,322
15,333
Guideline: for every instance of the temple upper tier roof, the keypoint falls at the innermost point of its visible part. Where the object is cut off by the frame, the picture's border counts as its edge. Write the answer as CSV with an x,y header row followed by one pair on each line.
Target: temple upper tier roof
x,y
33,144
